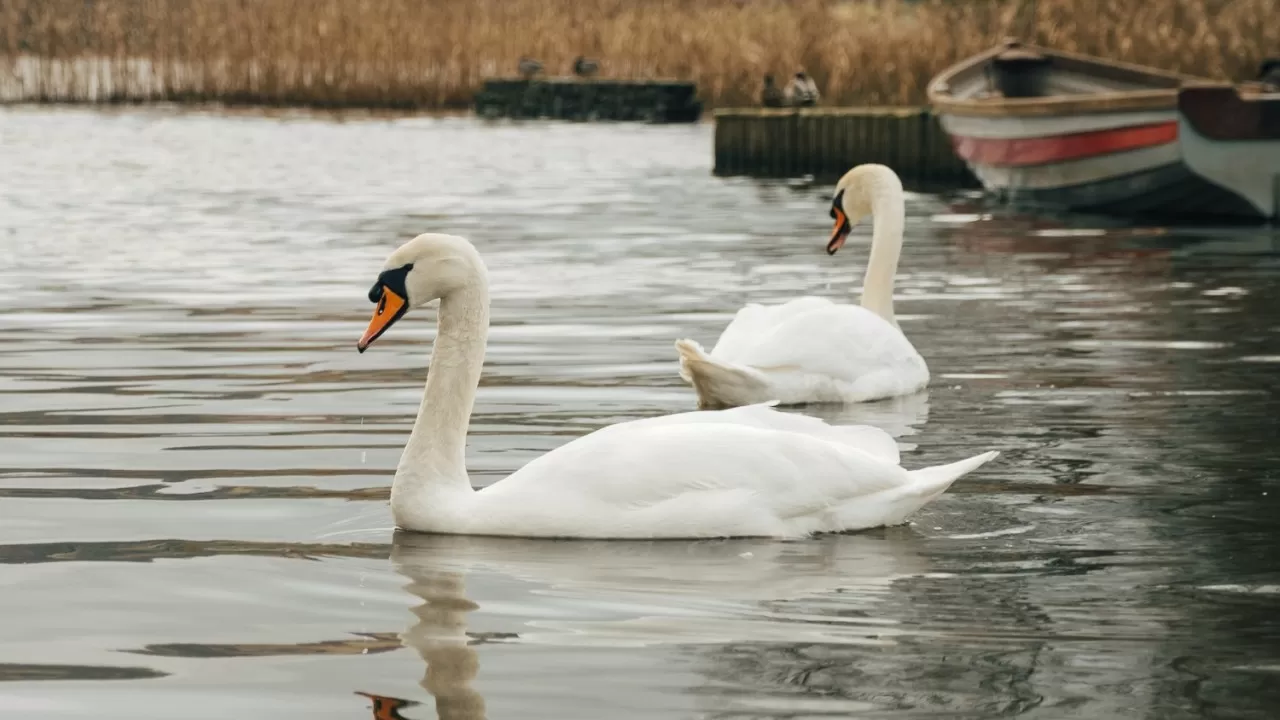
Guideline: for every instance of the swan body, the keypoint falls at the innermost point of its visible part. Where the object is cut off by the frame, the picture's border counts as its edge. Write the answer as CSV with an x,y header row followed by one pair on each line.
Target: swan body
x,y
744,471
813,350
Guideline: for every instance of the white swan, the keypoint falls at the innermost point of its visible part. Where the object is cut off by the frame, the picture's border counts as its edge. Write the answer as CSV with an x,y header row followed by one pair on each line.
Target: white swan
x,y
749,471
811,350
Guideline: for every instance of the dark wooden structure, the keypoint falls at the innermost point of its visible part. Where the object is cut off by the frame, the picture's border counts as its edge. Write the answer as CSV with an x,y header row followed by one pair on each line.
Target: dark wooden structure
x,y
826,142
589,99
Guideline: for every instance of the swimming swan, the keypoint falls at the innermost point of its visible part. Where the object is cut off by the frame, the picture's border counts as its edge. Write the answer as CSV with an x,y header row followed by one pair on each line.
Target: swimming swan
x,y
749,471
810,349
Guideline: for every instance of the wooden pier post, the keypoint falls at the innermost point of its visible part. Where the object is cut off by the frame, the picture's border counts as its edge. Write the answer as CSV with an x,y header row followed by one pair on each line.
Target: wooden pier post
x,y
825,142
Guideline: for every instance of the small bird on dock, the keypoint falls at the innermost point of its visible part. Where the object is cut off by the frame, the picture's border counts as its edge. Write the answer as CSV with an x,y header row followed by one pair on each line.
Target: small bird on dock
x,y
583,67
771,96
529,67
802,92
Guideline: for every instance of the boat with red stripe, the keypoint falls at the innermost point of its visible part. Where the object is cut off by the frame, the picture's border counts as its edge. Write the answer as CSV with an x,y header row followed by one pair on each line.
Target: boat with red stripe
x,y
1062,131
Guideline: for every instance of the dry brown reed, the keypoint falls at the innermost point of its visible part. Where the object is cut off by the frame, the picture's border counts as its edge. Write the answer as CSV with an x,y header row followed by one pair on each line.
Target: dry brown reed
x,y
434,53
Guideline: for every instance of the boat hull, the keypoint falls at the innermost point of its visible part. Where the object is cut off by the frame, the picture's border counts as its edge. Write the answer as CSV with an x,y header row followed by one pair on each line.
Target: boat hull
x,y
1122,164
1232,140
1042,128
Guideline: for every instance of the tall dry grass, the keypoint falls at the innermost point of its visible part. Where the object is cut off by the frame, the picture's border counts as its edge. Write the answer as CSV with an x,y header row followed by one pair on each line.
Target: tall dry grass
x,y
434,53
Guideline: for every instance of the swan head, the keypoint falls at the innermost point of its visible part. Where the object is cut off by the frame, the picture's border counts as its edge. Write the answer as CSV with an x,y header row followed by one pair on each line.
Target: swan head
x,y
428,267
853,199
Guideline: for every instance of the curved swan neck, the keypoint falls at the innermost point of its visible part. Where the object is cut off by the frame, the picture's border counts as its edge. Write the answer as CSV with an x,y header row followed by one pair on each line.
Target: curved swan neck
x,y
433,471
888,211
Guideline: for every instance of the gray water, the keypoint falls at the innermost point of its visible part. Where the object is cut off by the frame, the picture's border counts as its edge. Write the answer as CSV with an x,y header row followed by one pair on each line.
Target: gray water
x,y
194,460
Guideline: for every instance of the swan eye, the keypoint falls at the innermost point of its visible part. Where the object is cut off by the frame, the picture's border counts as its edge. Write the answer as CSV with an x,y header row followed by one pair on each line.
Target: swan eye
x,y
392,280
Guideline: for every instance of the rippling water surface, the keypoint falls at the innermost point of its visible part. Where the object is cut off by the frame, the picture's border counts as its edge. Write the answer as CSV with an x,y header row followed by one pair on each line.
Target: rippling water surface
x,y
194,460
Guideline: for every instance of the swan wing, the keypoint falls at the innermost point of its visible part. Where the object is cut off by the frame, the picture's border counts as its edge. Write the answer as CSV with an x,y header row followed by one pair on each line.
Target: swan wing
x,y
756,321
845,342
867,438
692,479
687,478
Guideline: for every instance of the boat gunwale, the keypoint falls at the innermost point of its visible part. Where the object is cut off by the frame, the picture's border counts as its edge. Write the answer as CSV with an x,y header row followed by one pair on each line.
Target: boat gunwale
x,y
1214,124
943,103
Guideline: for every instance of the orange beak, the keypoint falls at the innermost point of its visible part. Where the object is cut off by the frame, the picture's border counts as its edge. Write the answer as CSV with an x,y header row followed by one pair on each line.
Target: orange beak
x,y
839,232
391,307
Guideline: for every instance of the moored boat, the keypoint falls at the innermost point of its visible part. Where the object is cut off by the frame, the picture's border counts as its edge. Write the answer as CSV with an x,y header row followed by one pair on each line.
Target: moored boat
x,y
1056,130
1230,136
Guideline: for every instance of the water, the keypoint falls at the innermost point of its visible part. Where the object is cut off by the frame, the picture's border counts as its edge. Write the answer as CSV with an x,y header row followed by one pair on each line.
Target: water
x,y
194,460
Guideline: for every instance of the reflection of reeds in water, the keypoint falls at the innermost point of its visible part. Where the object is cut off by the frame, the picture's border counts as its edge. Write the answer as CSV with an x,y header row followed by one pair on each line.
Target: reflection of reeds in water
x,y
26,672
433,54
365,644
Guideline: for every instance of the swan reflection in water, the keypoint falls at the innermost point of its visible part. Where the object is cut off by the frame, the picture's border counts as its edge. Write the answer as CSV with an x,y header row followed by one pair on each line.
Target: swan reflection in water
x,y
900,416
700,593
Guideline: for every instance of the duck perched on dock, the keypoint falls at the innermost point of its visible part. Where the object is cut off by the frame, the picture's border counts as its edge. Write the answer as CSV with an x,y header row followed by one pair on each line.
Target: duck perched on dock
x,y
529,67
802,92
583,67
771,95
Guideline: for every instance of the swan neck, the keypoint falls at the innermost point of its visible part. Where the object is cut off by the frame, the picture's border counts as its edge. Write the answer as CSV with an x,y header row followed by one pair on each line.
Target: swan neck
x,y
888,218
433,471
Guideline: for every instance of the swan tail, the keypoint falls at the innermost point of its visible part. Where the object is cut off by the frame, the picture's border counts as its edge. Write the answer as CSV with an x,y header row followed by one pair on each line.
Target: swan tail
x,y
893,507
719,384
931,482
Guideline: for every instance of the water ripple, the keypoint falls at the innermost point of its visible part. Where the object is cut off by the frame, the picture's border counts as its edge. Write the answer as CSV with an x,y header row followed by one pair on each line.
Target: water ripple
x,y
194,461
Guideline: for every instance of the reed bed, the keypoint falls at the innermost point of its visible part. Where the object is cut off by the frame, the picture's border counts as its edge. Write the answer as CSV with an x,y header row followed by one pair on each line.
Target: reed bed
x,y
433,54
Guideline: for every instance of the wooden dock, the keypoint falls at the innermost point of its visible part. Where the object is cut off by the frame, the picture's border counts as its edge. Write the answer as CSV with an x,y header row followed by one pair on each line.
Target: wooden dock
x,y
826,142
573,98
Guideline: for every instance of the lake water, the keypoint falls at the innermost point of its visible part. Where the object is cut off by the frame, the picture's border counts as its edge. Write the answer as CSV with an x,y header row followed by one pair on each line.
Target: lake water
x,y
194,460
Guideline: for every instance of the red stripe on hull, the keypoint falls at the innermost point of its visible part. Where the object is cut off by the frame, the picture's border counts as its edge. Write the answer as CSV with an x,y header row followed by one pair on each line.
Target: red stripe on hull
x,y
1060,148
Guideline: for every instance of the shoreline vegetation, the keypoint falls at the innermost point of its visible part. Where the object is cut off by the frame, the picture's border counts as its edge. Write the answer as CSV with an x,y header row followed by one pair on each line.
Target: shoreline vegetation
x,y
434,54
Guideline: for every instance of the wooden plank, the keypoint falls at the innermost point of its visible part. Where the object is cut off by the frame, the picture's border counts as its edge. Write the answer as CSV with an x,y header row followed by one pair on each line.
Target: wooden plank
x,y
574,98
827,141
